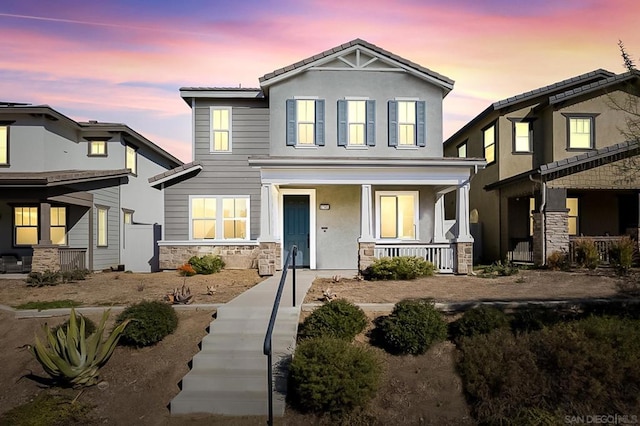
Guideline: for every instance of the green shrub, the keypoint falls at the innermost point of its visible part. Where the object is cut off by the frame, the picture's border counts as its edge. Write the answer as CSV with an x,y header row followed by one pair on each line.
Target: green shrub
x,y
40,279
559,261
480,320
339,318
329,375
587,255
621,255
576,368
502,269
534,318
74,275
207,264
89,326
399,268
151,322
412,327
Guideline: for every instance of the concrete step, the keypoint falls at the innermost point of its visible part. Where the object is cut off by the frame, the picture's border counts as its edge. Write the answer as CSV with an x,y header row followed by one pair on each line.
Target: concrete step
x,y
247,342
227,403
234,359
252,327
231,380
254,312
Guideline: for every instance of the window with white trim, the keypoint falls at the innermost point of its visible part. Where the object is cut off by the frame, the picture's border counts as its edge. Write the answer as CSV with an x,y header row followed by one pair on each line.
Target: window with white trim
x,y
131,160
219,218
397,215
4,145
97,148
25,224
102,216
406,123
356,123
305,122
220,129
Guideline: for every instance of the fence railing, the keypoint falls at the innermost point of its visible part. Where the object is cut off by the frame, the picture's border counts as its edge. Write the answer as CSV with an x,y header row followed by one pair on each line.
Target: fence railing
x,y
72,258
521,250
267,347
603,244
441,255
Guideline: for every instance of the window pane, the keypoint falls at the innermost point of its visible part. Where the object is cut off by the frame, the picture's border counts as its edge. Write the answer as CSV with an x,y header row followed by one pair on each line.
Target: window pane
x,y
210,206
235,229
522,143
221,141
490,154
388,217
573,226
97,147
228,207
572,205
580,132
128,217
26,236
204,229
406,216
58,235
241,207
305,134
306,111
406,112
356,134
462,151
131,159
489,136
407,134
3,145
58,216
102,227
197,207
221,119
356,111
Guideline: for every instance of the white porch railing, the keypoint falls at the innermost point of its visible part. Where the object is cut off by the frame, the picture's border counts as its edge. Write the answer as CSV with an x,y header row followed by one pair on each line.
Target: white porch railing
x,y
441,255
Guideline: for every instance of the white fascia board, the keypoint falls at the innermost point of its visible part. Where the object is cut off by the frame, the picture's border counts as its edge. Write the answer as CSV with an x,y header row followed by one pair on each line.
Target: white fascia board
x,y
370,162
253,94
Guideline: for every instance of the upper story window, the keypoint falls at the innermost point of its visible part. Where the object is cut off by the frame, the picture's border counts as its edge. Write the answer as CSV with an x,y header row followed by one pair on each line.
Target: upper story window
x,y
522,140
407,126
4,145
397,214
305,122
131,159
356,123
220,129
462,150
219,218
580,131
489,143
97,148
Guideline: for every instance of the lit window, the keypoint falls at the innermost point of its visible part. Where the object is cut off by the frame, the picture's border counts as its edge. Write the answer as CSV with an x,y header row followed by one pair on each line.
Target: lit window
x,y
397,215
532,208
489,139
462,150
522,136
98,148
102,215
406,123
572,205
59,225
4,145
128,217
221,129
131,160
25,226
306,120
580,132
356,112
224,218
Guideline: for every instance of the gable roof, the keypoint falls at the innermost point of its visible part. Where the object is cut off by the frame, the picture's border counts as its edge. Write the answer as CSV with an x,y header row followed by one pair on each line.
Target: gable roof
x,y
542,92
597,85
329,54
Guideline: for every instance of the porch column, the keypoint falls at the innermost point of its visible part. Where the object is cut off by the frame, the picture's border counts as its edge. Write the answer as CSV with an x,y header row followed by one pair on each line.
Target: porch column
x,y
45,224
267,219
438,218
462,214
366,219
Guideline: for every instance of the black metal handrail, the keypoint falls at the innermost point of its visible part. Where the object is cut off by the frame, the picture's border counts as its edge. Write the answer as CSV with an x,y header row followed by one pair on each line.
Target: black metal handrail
x,y
267,347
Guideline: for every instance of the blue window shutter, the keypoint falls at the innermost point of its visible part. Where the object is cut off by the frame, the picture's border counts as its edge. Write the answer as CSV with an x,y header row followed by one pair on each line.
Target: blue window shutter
x,y
393,123
342,123
320,122
421,127
371,123
291,122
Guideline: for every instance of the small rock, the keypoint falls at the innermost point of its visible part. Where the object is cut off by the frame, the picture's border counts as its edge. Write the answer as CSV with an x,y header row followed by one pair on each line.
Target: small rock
x,y
103,385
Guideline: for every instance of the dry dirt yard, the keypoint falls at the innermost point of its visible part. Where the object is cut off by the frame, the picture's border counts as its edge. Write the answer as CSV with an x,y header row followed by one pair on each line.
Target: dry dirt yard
x,y
138,384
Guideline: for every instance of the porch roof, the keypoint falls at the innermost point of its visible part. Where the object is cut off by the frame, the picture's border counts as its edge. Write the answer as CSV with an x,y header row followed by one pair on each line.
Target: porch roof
x,y
170,175
270,161
58,177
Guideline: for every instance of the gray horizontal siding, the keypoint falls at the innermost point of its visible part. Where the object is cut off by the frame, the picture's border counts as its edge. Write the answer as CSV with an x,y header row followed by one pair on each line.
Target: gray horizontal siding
x,y
222,174
105,257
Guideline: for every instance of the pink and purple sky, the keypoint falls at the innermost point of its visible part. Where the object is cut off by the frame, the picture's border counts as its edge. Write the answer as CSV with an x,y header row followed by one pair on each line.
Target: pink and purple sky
x,y
124,60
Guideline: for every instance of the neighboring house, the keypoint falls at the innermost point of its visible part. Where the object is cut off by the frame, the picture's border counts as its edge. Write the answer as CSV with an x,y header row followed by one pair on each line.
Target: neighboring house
x,y
339,154
558,167
77,194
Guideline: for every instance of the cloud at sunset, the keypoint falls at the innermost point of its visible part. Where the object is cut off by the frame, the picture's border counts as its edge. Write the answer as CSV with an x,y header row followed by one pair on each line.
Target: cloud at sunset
x,y
123,61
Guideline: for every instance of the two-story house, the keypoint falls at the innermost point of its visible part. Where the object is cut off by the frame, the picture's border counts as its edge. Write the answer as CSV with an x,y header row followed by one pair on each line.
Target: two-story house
x,y
339,154
76,194
559,166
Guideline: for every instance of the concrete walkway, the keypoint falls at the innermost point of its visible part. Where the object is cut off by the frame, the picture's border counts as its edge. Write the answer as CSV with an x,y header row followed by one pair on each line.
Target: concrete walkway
x,y
229,374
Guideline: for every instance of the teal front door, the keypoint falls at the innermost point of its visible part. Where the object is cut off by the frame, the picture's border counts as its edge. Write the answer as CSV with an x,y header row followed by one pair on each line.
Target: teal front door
x,y
296,226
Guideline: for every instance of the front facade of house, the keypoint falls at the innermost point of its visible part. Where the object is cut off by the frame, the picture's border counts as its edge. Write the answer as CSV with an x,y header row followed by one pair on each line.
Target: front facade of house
x,y
559,166
76,195
339,154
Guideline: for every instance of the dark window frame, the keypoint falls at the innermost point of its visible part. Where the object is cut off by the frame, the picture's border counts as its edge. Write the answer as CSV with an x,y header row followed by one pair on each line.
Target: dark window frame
x,y
514,121
7,124
466,148
493,124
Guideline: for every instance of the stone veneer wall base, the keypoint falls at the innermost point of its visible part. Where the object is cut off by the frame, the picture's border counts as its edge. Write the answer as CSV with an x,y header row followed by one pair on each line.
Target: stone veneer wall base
x,y
45,258
464,258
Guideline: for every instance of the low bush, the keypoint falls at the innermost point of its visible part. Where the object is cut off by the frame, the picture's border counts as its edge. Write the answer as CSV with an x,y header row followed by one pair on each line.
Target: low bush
x,y
576,368
48,409
40,279
50,304
74,275
481,320
339,318
207,264
621,255
535,318
412,327
559,261
399,268
329,375
500,269
587,255
151,321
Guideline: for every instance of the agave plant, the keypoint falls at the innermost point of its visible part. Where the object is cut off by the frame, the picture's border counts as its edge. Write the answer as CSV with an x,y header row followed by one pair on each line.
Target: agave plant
x,y
73,359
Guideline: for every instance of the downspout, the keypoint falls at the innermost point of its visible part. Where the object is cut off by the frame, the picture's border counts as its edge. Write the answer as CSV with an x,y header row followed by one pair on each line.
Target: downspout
x,y
542,216
193,129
